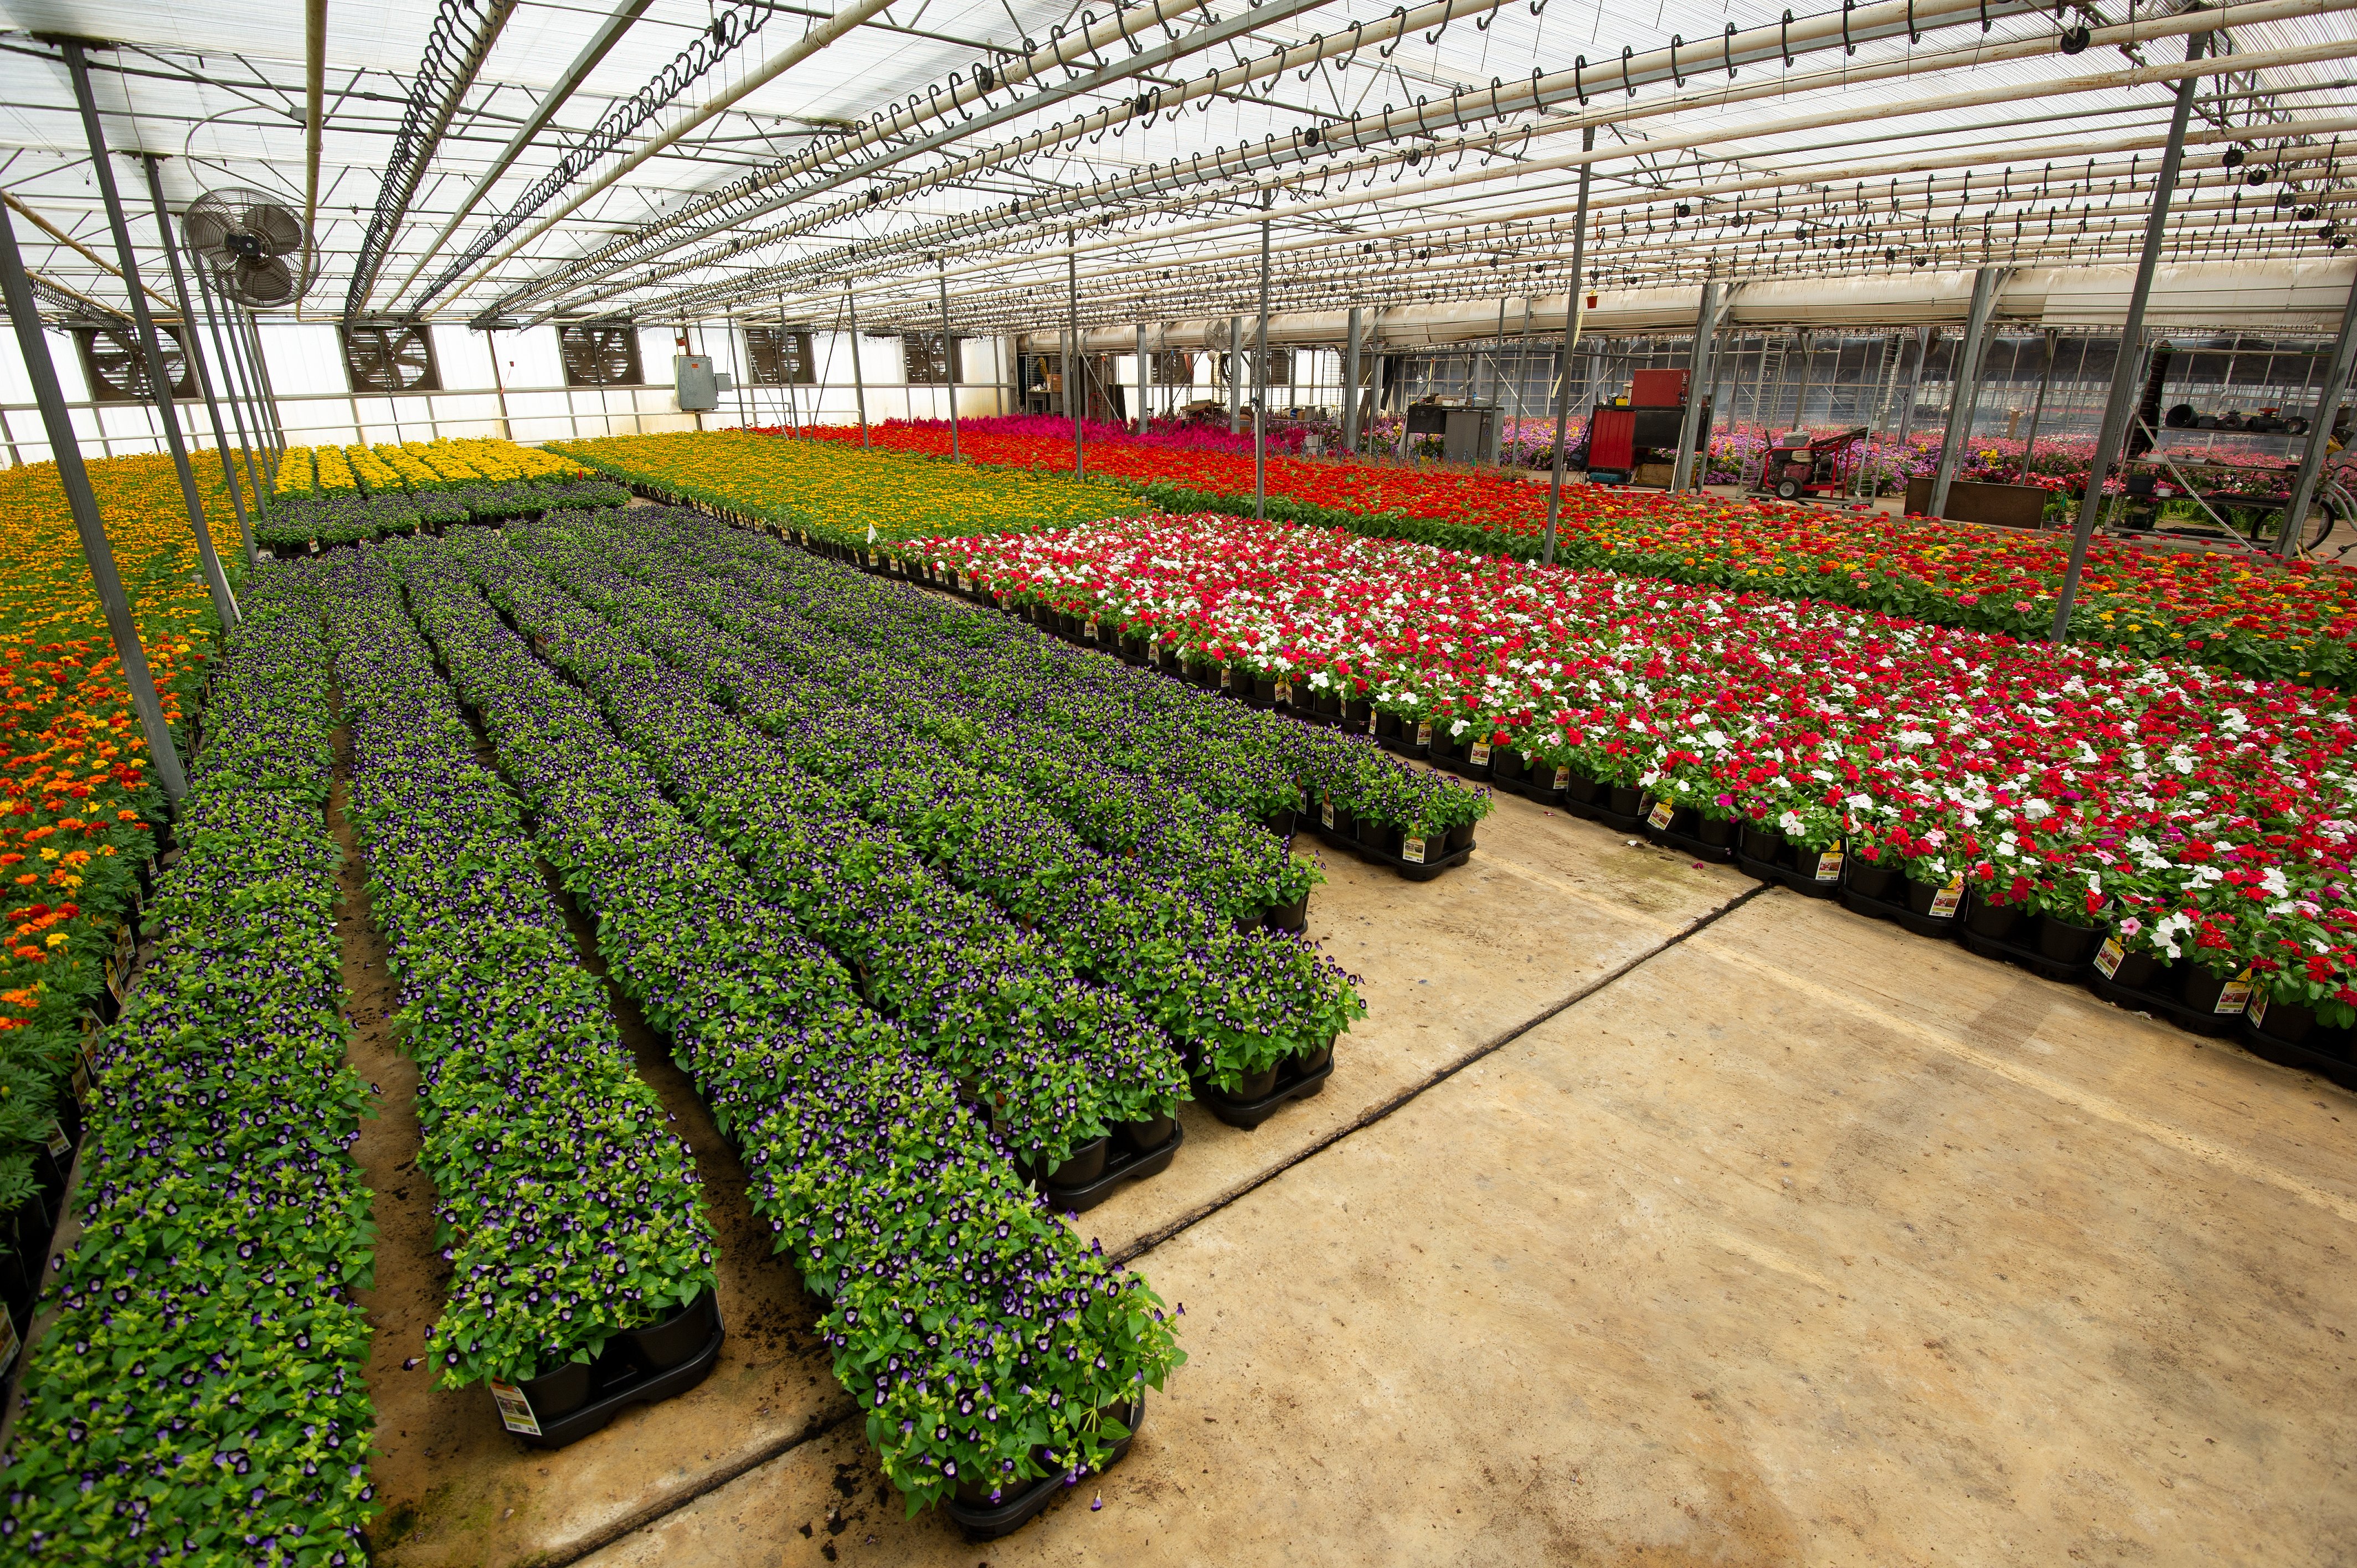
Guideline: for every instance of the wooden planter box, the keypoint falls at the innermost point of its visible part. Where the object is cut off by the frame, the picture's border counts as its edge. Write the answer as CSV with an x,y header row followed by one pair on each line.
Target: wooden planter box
x,y
1974,501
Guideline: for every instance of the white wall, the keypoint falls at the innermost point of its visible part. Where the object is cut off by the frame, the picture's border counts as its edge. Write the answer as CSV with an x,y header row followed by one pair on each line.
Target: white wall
x,y
503,384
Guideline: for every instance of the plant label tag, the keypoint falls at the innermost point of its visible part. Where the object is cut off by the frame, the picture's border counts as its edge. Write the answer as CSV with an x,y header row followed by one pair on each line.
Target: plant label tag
x,y
1829,864
1561,776
9,1344
1284,692
1424,734
1478,753
2236,995
1093,629
1659,817
1371,717
1326,812
515,1411
2259,1011
1944,902
60,1145
1223,677
2108,958
1412,850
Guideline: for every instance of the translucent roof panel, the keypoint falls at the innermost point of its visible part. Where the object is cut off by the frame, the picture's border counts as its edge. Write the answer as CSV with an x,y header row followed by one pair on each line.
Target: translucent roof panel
x,y
674,159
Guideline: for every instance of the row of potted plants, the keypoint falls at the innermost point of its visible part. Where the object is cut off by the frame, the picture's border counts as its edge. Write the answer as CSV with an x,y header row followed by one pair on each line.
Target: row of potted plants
x,y
307,523
414,468
569,1212
80,811
1058,719
992,1353
1239,999
2296,620
897,655
2193,812
199,1392
1061,1064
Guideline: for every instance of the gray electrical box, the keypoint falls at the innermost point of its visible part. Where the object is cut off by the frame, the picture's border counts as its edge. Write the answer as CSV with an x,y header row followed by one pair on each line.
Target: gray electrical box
x,y
1470,436
699,389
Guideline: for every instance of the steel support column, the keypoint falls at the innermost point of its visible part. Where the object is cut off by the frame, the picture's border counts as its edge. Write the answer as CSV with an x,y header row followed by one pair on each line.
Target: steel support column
x,y
1689,427
24,313
949,353
1260,385
1570,338
1966,396
2037,407
1235,381
2319,432
1076,394
1141,378
191,341
233,378
2129,360
1351,385
158,374
859,381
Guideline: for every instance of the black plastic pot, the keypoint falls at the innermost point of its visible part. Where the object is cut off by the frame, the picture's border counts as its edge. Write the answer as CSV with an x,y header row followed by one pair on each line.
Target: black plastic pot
x,y
1260,694
1382,838
1624,799
1337,821
1281,823
2200,990
1293,917
1996,921
1140,1136
1919,895
1133,651
1873,881
1255,1085
1446,749
674,1339
1581,788
1460,837
2138,970
1510,766
982,1519
1358,715
1326,705
558,1392
1087,1162
1308,1062
2067,942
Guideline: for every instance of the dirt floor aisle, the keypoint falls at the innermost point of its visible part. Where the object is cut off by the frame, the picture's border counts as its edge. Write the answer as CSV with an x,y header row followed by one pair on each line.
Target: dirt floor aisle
x,y
1660,1221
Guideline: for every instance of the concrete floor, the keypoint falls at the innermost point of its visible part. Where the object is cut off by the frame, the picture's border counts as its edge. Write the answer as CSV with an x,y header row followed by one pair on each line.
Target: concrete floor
x,y
1652,1218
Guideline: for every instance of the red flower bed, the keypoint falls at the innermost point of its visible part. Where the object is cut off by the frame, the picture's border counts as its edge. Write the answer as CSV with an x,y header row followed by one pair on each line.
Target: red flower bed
x,y
2296,621
2194,808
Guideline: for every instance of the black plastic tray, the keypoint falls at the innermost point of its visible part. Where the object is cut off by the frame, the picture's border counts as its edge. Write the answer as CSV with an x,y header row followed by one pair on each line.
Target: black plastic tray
x,y
2215,1025
2031,959
2286,1053
989,1522
1685,843
1121,1164
1618,821
1896,912
638,1387
1250,1113
1807,886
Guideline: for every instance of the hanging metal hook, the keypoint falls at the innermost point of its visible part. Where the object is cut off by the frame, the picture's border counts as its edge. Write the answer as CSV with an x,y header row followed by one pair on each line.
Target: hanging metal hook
x,y
1399,14
1784,39
1449,14
1727,51
1676,43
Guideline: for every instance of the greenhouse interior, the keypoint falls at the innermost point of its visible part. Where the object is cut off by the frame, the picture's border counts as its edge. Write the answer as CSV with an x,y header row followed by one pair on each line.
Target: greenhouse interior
x,y
1476,781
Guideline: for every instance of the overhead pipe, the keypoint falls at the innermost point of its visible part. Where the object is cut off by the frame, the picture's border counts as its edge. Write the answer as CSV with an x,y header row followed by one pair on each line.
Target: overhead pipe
x,y
432,104
84,252
159,378
844,21
601,42
90,525
738,203
1884,18
1845,76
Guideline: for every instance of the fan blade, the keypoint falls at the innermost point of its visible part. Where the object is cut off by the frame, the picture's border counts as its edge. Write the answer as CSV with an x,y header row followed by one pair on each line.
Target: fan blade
x,y
206,230
264,282
280,232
